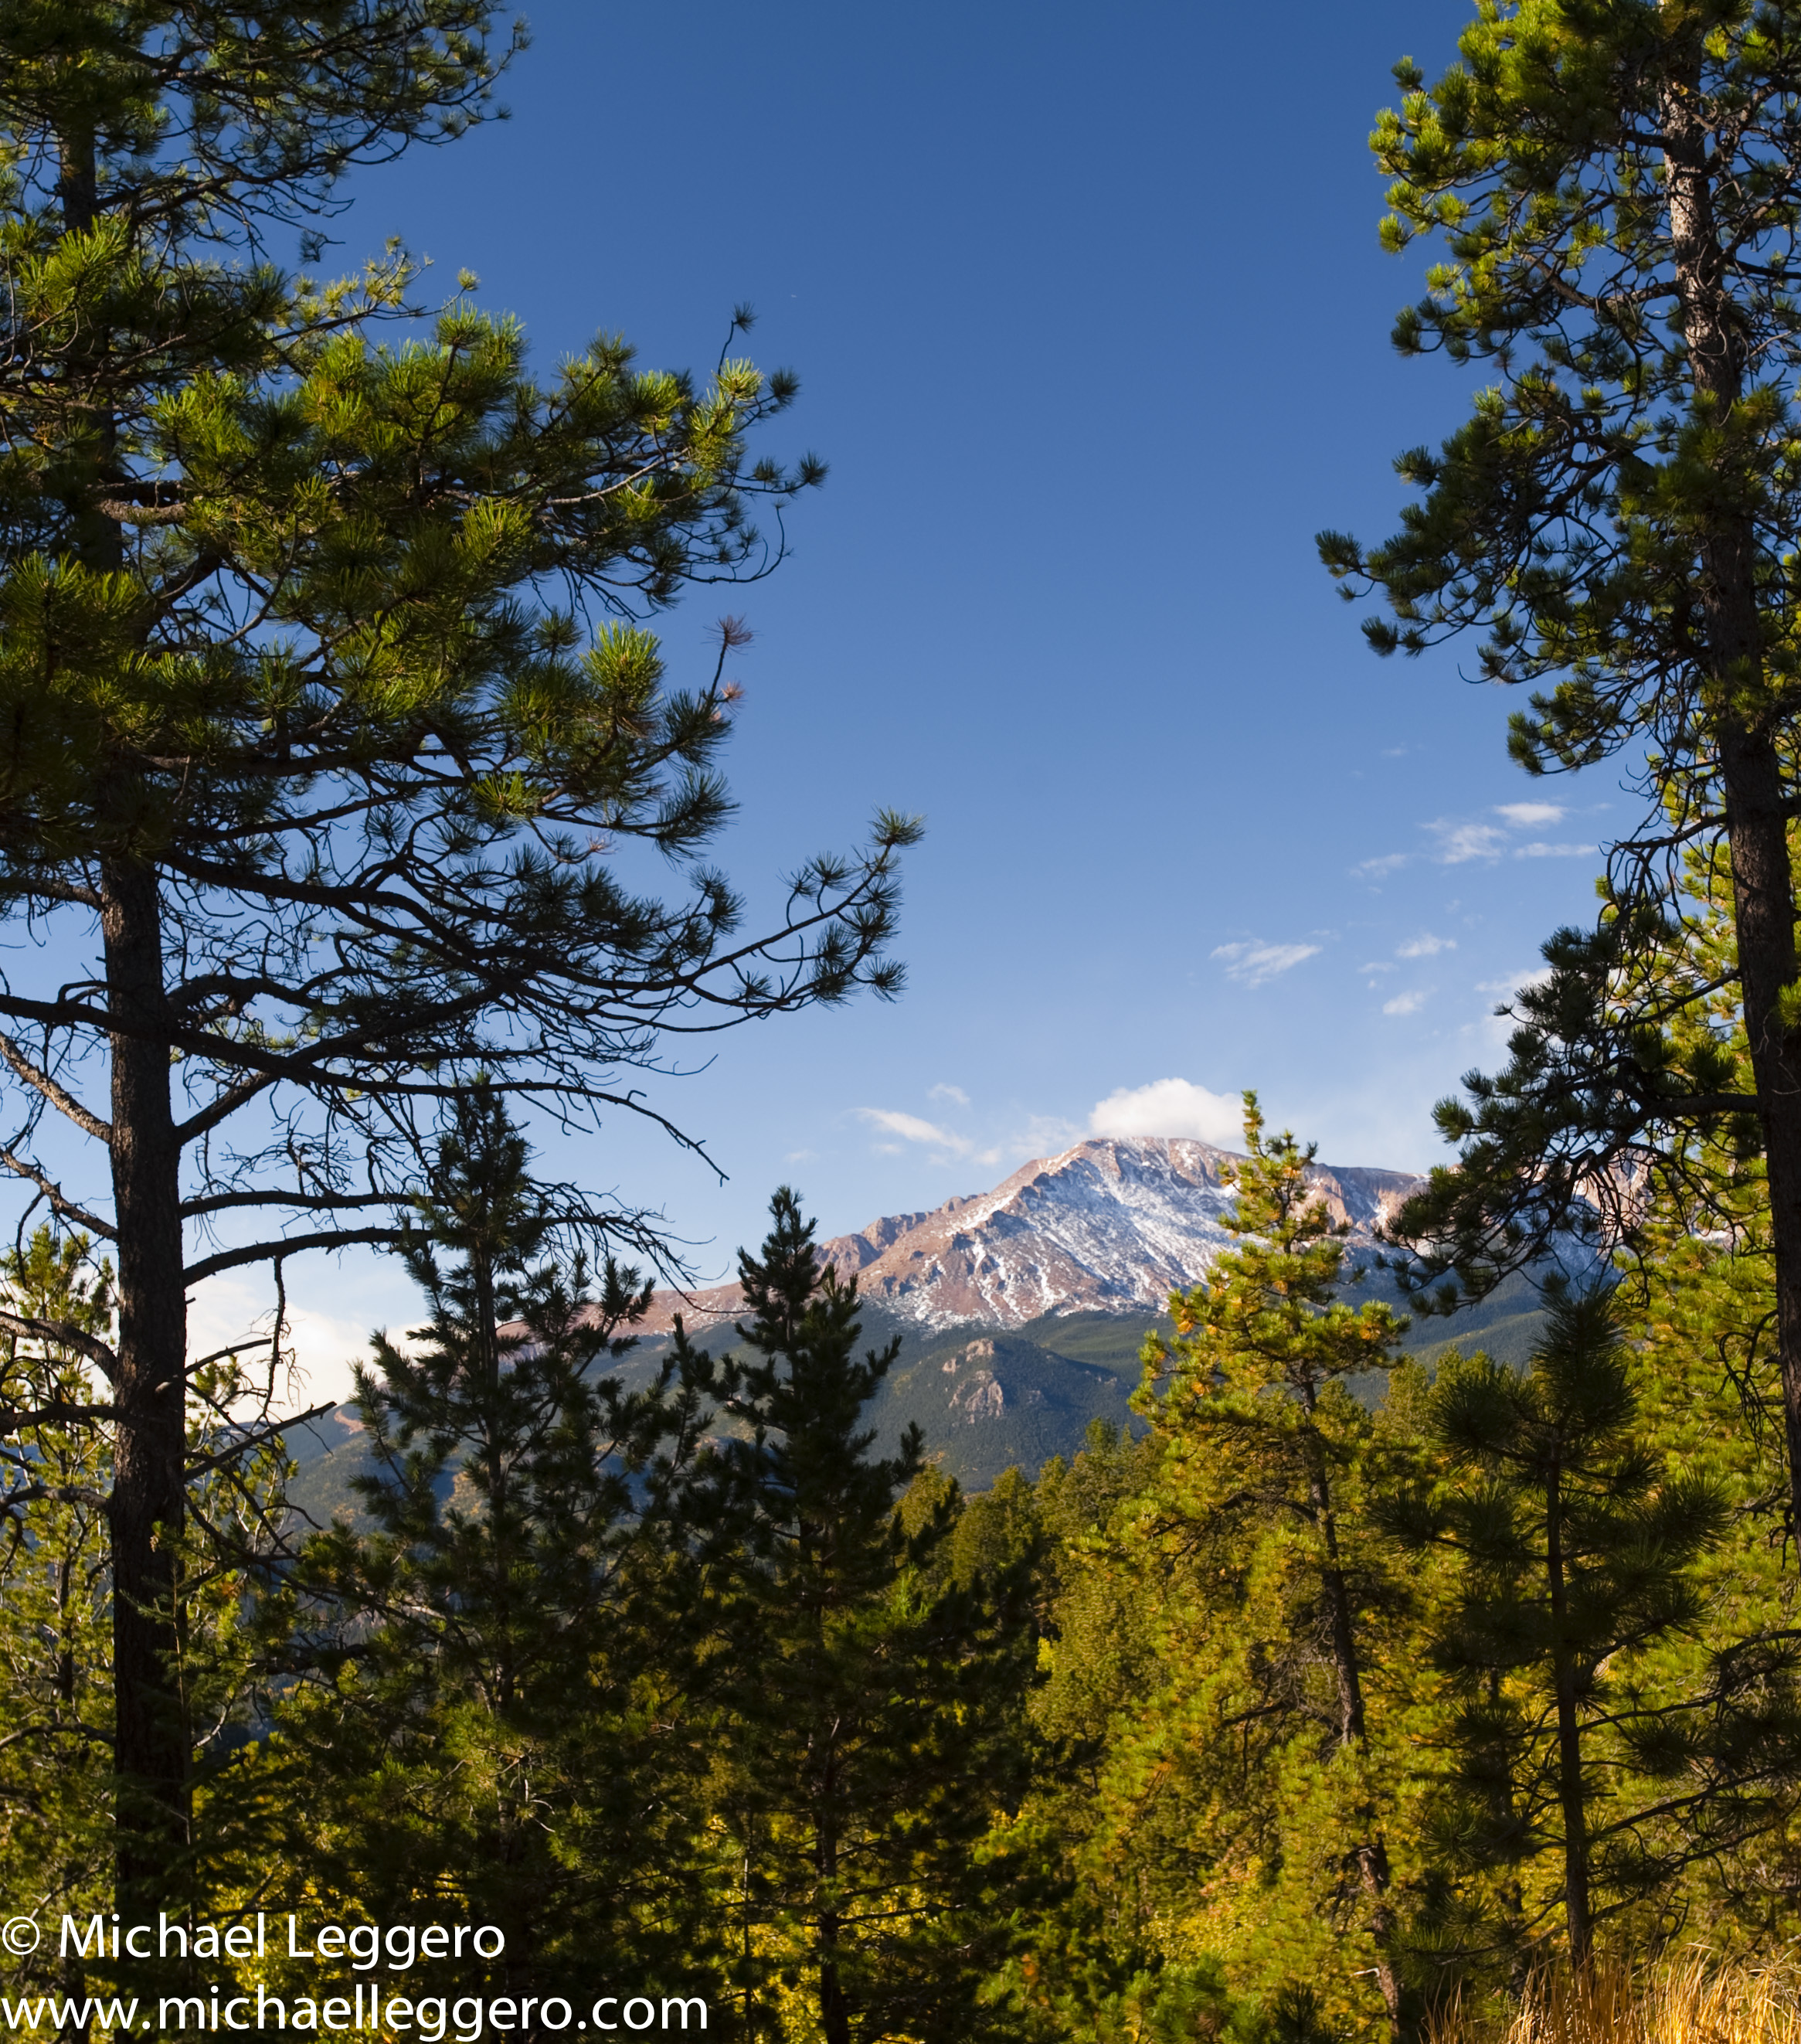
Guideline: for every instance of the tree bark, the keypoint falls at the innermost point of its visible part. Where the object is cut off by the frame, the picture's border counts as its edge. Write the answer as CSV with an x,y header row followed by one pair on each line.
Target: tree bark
x,y
1750,767
147,1509
1371,1855
1570,1741
148,1501
834,2007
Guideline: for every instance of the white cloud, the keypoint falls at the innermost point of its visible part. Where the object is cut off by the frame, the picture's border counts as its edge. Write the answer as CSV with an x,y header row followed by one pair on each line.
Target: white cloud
x,y
950,1093
1169,1107
230,1309
1251,963
1404,1004
1425,947
912,1128
1514,983
1458,843
1376,964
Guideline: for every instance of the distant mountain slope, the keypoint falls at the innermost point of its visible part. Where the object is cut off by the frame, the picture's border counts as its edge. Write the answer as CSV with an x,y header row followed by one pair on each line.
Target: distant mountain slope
x,y
985,1400
995,1402
1022,1311
1110,1226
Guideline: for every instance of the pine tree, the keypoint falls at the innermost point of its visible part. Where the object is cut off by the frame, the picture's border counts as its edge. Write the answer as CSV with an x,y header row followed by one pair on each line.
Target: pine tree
x,y
1578,1548
875,1722
491,1717
1702,1292
1265,1455
1617,188
1105,1950
308,753
56,1686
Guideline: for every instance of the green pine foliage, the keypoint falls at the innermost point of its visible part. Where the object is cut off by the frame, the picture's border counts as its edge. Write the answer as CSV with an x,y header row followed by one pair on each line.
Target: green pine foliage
x,y
55,1675
1614,192
488,1719
1284,1645
57,1485
1330,1691
313,752
1577,1545
1700,1292
1228,1687
1197,1736
872,1724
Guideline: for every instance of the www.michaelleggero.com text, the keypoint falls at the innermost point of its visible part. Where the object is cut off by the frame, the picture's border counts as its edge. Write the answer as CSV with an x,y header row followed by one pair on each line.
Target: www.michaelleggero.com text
x,y
434,2019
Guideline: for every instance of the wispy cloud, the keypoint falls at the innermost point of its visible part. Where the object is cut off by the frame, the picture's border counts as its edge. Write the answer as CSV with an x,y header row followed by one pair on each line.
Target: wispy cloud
x,y
1514,983
1169,1107
951,1093
1459,843
914,1129
1405,1004
1251,964
1044,1134
227,1310
1426,946
1390,862
1461,840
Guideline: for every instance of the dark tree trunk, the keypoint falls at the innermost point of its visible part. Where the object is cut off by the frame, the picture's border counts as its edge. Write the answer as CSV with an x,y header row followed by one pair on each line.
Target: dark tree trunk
x,y
1570,1796
834,2007
1764,898
1737,696
148,1497
147,1507
1372,1853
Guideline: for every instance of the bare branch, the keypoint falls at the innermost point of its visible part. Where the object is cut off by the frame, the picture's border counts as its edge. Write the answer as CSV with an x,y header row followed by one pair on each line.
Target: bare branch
x,y
42,1082
60,1334
263,1252
23,1168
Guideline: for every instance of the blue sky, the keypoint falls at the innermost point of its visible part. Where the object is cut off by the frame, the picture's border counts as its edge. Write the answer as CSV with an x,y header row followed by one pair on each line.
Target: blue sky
x,y
1092,325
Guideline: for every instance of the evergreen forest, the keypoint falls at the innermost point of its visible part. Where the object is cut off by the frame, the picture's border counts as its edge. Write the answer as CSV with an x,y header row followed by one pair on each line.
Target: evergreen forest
x,y
357,840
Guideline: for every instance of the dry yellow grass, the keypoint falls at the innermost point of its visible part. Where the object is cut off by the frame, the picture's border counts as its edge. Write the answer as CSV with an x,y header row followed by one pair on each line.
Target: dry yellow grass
x,y
1695,2000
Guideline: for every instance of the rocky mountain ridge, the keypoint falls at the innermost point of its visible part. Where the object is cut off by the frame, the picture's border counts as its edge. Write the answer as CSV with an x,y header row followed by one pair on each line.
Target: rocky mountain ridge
x,y
1111,1225
1020,1311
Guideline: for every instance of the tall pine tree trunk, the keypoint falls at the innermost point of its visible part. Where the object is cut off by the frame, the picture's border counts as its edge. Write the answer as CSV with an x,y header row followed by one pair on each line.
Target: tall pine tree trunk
x,y
834,2007
1570,1796
1371,1853
149,1497
1750,769
147,1510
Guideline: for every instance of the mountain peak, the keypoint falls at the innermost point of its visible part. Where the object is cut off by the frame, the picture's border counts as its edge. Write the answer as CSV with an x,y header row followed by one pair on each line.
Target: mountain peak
x,y
1113,1224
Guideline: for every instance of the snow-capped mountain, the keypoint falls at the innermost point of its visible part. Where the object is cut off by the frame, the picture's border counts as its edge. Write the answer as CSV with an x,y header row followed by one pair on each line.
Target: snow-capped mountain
x,y
1110,1226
